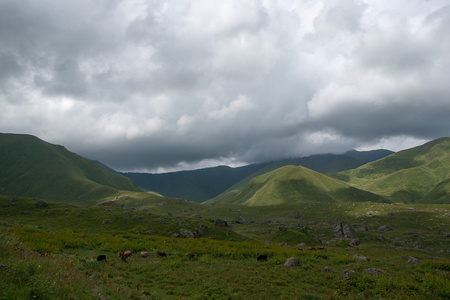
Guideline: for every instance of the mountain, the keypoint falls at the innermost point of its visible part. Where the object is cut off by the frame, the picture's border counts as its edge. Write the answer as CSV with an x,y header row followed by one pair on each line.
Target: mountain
x,y
31,167
295,184
203,184
416,175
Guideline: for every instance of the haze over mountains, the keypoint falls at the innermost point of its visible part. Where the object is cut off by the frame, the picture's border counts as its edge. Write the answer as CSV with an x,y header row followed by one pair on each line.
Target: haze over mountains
x,y
33,168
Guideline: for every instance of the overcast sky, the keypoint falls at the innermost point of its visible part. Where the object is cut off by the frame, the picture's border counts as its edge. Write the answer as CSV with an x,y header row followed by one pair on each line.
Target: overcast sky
x,y
168,85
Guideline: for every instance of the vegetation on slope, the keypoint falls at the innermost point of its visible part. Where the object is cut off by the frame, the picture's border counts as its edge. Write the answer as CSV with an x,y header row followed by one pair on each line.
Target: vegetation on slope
x,y
31,167
294,184
407,176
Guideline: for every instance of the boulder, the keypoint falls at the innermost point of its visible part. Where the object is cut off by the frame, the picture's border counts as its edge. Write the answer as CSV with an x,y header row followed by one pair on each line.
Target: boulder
x,y
186,233
240,220
291,262
328,270
384,228
354,243
343,230
41,203
346,274
219,222
295,215
359,257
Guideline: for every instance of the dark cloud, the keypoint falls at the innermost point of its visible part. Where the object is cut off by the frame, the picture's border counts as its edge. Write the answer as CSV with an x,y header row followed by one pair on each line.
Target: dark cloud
x,y
160,85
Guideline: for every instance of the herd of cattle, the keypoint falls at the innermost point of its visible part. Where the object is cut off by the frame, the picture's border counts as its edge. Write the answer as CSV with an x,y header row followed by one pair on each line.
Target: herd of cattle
x,y
125,254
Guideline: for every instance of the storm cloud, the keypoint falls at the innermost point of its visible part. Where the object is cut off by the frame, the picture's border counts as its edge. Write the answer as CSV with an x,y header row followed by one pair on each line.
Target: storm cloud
x,y
163,85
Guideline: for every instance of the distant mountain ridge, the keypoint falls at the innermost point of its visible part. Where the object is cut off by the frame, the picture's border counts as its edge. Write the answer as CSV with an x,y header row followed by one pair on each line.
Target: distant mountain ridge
x,y
204,184
30,167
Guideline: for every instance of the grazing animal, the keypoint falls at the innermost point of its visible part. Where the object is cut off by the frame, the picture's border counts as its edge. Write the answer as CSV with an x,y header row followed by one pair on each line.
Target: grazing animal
x,y
124,255
161,253
262,257
144,254
101,258
321,248
190,255
300,249
312,248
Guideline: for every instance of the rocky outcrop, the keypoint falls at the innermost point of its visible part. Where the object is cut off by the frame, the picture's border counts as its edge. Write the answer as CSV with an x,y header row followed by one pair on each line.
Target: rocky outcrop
x,y
343,230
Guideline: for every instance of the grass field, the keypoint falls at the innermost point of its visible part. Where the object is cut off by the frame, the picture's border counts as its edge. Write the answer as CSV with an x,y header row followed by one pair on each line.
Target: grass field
x,y
50,252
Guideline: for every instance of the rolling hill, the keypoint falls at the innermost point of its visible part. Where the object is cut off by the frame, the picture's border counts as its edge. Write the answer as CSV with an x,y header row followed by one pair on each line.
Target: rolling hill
x,y
416,175
295,184
203,184
31,167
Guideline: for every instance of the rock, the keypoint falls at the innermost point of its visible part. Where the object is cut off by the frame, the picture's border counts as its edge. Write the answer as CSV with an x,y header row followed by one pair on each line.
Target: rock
x,y
168,213
291,262
380,237
105,221
411,260
25,213
295,215
359,257
328,270
186,233
374,271
282,228
360,227
219,222
283,244
371,213
240,220
346,274
2,267
41,203
354,243
384,228
198,216
343,230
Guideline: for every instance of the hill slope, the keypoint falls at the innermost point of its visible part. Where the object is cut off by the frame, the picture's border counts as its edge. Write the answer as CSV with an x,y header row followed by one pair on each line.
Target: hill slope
x,y
408,176
34,168
295,184
203,184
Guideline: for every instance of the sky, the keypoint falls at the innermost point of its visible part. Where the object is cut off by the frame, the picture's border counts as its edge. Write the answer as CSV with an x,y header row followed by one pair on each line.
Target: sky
x,y
157,86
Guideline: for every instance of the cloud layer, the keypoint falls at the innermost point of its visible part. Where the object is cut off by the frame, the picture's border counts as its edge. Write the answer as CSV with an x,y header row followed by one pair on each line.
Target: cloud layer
x,y
161,85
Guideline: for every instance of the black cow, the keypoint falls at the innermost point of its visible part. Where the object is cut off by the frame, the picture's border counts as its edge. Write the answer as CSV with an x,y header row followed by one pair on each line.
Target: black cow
x,y
101,257
262,257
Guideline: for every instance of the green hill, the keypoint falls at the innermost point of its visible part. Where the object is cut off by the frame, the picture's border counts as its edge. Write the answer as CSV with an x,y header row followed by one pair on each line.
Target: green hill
x,y
203,184
416,175
33,168
295,184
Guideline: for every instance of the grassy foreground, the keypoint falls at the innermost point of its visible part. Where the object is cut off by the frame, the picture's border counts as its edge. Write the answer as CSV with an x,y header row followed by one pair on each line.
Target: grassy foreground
x,y
50,253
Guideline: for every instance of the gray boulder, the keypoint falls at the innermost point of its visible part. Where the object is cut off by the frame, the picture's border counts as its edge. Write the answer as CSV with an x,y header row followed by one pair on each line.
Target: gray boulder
x,y
384,228
343,230
359,257
291,262
186,233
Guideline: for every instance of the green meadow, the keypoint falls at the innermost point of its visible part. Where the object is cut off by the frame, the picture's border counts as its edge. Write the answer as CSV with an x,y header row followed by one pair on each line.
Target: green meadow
x,y
49,252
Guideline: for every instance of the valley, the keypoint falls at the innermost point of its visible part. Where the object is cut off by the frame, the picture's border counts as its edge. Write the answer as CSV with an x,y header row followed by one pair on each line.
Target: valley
x,y
346,236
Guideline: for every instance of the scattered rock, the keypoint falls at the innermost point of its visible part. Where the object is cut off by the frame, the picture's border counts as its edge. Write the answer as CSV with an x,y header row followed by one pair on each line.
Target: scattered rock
x,y
346,274
354,243
41,203
374,271
198,216
372,213
411,260
384,228
25,213
282,228
219,222
343,230
360,227
380,237
291,262
240,220
359,257
295,215
105,221
328,270
186,233
283,244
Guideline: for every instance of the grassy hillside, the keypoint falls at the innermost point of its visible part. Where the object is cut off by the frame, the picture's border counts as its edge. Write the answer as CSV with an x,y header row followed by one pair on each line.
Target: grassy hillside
x,y
203,184
407,176
295,184
50,252
34,168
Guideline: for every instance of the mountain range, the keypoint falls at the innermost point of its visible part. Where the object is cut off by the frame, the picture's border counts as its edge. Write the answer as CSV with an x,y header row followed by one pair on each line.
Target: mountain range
x,y
31,167
204,184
